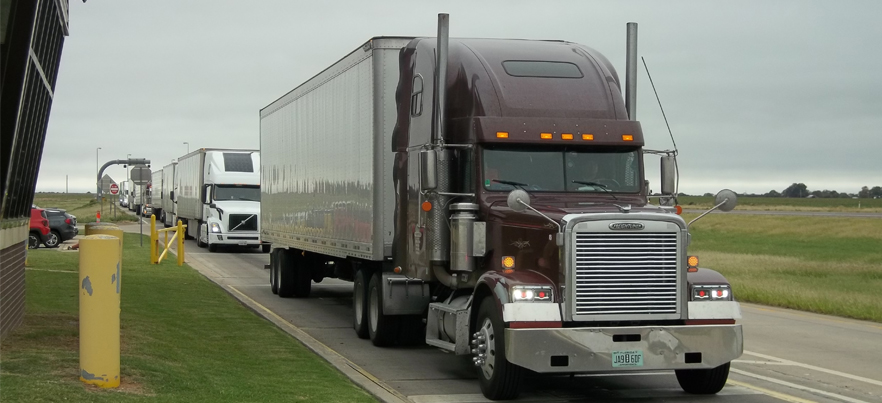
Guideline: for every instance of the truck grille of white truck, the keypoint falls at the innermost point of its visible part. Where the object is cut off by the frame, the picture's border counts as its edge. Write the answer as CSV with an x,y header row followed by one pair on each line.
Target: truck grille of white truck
x,y
625,273
243,222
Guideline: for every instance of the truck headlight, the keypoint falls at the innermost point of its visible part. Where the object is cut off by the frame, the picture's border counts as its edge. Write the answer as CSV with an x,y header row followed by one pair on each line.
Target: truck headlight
x,y
215,227
531,293
711,293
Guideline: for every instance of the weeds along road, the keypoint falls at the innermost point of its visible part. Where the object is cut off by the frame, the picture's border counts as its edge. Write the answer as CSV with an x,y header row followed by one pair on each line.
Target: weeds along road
x,y
789,356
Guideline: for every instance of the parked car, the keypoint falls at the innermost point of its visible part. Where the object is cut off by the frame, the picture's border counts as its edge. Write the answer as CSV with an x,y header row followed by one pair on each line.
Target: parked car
x,y
62,225
123,202
39,228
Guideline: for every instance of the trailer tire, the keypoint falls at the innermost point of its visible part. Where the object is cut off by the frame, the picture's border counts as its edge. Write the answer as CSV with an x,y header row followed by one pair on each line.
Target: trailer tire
x,y
499,379
360,304
703,381
383,329
286,271
274,270
302,275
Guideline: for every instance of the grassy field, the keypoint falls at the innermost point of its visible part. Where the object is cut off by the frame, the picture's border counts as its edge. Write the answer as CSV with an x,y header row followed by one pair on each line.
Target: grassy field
x,y
789,204
83,206
183,339
820,264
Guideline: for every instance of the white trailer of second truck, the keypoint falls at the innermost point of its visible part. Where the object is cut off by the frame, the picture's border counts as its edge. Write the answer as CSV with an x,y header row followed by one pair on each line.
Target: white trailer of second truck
x,y
166,202
217,195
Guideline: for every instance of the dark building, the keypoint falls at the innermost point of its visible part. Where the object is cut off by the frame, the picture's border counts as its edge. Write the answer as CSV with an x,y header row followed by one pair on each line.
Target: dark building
x,y
31,36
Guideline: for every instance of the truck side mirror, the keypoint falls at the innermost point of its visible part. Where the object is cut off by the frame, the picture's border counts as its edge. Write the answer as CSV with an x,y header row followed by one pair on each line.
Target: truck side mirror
x,y
668,174
206,194
428,170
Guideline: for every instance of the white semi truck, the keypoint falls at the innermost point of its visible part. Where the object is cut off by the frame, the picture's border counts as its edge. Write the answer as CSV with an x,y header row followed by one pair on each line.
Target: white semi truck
x,y
166,196
217,195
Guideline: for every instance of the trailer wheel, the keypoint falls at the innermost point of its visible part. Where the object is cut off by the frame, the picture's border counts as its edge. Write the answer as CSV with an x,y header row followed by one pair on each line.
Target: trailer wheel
x,y
382,329
286,272
274,270
499,379
703,381
360,304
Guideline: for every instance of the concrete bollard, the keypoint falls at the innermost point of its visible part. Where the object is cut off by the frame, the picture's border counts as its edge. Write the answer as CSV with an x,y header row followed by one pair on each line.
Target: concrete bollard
x,y
99,287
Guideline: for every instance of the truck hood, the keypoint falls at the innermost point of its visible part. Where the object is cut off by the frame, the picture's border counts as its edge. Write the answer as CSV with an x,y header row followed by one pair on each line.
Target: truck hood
x,y
239,206
499,210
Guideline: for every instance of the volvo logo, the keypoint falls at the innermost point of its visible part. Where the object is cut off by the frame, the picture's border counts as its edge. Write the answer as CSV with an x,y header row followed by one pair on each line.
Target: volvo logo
x,y
626,226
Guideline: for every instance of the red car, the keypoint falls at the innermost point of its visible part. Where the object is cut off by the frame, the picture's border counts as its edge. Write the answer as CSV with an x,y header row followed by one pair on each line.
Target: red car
x,y
39,228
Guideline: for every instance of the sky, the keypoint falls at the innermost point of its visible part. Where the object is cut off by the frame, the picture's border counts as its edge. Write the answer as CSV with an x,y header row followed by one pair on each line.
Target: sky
x,y
758,94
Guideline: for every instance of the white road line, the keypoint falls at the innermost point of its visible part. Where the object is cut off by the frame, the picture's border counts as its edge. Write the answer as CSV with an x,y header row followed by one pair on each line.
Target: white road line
x,y
819,369
798,387
760,362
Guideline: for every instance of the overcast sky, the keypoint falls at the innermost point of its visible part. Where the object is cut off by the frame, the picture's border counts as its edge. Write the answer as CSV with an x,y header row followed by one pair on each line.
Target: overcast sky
x,y
759,94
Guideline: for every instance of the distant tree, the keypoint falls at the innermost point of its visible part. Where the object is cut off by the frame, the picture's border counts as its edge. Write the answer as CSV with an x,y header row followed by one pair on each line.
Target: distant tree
x,y
864,193
876,191
796,190
772,193
708,195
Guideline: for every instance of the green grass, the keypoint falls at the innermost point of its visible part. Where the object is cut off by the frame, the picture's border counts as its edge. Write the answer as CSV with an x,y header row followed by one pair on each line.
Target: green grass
x,y
826,265
790,204
183,340
83,206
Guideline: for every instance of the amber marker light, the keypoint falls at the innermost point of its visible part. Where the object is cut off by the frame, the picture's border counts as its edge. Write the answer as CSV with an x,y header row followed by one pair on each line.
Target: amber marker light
x,y
587,137
679,210
627,137
502,135
567,136
692,264
508,262
545,136
427,205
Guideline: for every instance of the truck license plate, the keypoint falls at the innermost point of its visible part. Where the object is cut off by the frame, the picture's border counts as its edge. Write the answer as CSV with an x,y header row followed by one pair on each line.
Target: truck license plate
x,y
630,358
243,243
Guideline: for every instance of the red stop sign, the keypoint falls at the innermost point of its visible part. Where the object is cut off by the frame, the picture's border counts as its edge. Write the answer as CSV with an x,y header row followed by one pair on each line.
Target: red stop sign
x,y
114,188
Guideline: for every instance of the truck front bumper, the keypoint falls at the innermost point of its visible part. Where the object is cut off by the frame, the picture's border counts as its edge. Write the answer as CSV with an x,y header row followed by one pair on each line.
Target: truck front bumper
x,y
592,349
236,238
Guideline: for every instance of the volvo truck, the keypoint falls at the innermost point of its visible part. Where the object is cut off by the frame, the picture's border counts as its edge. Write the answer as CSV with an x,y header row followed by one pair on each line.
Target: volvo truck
x,y
489,195
217,195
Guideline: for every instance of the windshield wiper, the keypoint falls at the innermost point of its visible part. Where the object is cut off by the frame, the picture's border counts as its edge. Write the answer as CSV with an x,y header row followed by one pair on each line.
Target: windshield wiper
x,y
519,185
598,185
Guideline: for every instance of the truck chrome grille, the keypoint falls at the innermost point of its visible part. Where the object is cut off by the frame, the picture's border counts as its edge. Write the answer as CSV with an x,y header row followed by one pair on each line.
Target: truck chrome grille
x,y
625,273
248,222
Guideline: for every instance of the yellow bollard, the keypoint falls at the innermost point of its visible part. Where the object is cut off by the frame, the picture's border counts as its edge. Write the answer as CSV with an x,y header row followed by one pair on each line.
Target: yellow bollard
x,y
99,287
180,243
108,229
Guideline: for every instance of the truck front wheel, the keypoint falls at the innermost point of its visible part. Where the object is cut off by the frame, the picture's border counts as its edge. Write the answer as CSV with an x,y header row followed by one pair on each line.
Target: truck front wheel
x,y
703,381
499,379
200,234
360,304
383,329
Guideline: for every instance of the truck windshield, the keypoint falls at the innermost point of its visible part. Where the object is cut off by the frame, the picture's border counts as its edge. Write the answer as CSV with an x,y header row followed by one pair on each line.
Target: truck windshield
x,y
237,192
562,170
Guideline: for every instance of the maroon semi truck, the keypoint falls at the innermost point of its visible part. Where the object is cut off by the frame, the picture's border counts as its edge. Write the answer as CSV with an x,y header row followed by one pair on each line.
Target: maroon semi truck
x,y
488,196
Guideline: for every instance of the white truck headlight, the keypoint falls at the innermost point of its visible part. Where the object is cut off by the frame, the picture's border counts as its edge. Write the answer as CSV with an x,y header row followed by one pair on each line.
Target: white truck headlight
x,y
215,227
531,293
711,293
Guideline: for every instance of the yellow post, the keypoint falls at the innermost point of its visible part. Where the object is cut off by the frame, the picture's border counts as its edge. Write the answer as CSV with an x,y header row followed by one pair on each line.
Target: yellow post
x,y
99,287
108,229
180,243
154,238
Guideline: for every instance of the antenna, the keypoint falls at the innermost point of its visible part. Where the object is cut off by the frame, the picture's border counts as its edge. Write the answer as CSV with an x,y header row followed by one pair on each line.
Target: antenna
x,y
676,151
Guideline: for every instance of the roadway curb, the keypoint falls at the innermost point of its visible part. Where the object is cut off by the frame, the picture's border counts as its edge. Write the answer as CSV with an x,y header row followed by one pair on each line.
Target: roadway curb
x,y
356,374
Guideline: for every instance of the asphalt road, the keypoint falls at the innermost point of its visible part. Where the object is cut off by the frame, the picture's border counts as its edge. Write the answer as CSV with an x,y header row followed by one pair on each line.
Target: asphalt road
x,y
789,356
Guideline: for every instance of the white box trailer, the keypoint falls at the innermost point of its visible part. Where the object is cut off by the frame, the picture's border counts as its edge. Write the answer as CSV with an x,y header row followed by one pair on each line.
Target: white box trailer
x,y
217,195
333,193
166,201
154,194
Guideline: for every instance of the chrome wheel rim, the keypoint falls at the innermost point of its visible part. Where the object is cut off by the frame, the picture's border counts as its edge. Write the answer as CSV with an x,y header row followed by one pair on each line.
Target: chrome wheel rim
x,y
52,241
490,351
